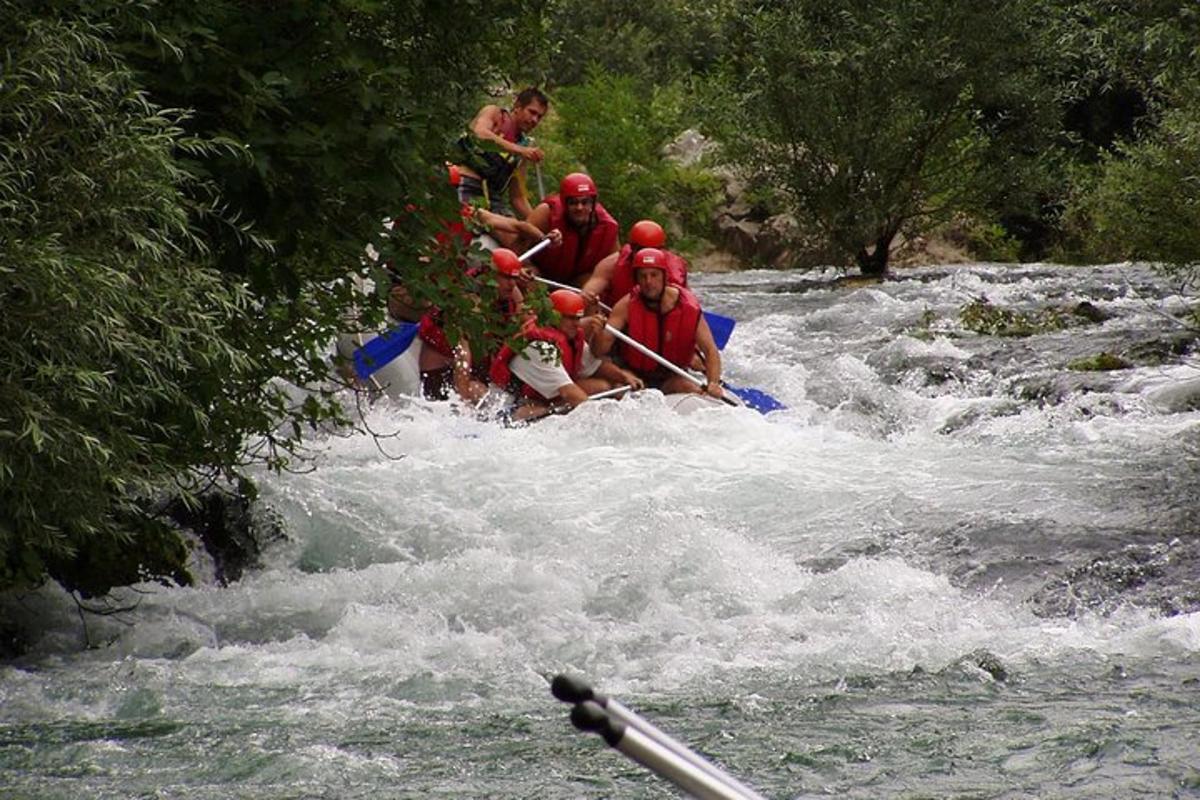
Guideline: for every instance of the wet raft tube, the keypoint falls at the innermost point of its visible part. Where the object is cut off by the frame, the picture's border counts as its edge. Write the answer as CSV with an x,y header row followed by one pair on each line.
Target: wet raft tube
x,y
401,377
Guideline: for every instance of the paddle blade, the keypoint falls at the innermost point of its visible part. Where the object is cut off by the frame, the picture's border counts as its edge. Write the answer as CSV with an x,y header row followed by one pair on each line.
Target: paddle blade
x,y
383,348
757,399
721,327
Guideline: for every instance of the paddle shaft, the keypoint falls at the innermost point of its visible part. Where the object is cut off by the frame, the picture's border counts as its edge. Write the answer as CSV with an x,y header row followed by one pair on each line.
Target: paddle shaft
x,y
648,353
610,392
537,169
712,317
636,345
568,287
533,251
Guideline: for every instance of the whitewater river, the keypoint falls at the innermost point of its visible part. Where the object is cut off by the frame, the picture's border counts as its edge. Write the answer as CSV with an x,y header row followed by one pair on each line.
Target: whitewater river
x,y
952,568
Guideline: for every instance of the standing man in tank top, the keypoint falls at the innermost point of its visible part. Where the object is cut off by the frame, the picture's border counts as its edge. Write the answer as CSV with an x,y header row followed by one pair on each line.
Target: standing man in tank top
x,y
493,153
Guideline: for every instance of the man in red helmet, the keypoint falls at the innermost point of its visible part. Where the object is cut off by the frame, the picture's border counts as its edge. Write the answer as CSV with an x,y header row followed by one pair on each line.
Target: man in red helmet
x,y
444,367
494,151
613,277
666,319
589,232
557,366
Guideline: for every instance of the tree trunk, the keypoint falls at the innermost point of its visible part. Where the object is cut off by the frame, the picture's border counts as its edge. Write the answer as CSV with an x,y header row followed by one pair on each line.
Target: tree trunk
x,y
873,261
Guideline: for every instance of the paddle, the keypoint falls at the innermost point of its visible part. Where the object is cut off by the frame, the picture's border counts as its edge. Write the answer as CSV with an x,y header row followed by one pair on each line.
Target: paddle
x,y
646,351
721,327
757,399
537,168
390,344
607,393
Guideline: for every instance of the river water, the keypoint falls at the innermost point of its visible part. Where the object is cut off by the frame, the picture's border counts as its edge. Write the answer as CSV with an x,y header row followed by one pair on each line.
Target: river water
x,y
952,568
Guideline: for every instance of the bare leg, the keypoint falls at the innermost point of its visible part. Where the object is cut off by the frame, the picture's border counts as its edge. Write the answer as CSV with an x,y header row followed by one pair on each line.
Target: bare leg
x,y
594,385
530,410
677,384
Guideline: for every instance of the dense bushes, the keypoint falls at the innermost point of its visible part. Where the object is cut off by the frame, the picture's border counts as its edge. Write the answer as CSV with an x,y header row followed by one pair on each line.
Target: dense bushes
x,y
161,271
616,128
115,348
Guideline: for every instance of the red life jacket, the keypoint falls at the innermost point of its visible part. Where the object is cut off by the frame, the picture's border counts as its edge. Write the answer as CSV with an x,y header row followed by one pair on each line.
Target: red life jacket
x,y
671,335
509,128
622,282
452,229
429,329
576,256
571,353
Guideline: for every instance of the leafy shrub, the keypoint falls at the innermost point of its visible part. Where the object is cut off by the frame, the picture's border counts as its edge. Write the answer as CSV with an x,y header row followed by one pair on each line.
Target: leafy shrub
x,y
117,375
615,129
984,240
1144,201
982,317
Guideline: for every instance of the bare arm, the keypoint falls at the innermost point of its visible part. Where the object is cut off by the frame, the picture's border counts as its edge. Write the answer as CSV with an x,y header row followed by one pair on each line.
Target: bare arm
x,y
540,217
487,126
712,358
523,228
617,376
467,387
601,277
573,394
618,319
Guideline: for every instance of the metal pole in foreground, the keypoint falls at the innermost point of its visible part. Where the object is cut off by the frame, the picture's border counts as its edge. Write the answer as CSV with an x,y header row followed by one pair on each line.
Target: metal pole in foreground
x,y
641,741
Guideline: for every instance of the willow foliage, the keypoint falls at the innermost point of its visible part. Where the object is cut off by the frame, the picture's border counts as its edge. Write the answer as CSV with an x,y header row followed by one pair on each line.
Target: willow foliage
x,y
164,273
113,338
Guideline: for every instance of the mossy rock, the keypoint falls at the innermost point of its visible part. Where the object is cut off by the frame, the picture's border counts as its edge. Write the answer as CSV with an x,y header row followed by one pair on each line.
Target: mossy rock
x,y
982,317
1090,312
1101,362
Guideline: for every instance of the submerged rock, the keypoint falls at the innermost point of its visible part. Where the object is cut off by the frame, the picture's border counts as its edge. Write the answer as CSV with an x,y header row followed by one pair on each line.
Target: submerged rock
x,y
980,663
1101,362
1164,577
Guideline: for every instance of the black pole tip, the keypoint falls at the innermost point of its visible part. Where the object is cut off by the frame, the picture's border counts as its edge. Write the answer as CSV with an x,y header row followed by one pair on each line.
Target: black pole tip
x,y
589,716
571,690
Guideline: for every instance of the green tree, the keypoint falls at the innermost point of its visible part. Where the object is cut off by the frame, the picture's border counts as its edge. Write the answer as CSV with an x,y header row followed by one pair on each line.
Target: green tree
x,y
1143,199
161,271
116,368
342,112
872,118
615,128
1144,203
656,42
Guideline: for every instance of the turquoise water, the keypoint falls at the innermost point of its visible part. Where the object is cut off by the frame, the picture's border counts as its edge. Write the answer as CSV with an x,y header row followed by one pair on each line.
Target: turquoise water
x,y
950,569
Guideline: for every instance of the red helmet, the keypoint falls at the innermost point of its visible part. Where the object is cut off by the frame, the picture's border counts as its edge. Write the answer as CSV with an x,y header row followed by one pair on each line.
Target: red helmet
x,y
506,262
647,233
650,258
577,184
567,303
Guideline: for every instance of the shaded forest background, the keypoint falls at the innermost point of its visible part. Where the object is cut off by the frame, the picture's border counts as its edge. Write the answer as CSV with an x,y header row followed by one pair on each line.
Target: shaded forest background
x,y
186,190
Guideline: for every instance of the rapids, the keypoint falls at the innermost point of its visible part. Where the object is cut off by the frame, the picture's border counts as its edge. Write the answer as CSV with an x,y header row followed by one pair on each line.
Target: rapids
x,y
952,567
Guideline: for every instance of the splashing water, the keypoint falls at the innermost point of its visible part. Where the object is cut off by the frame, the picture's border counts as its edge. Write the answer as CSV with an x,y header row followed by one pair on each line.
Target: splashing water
x,y
950,567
